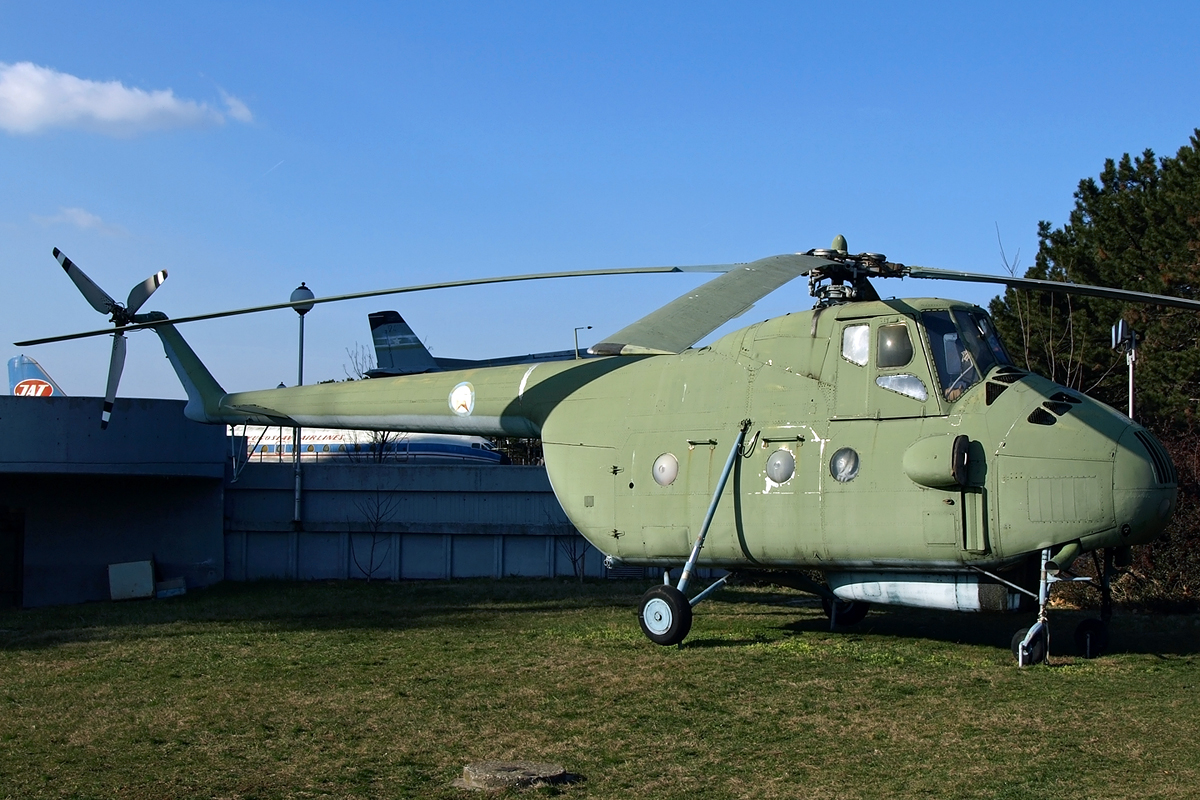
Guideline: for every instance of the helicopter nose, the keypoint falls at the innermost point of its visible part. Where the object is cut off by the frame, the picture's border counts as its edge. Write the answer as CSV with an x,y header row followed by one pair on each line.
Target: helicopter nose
x,y
1144,486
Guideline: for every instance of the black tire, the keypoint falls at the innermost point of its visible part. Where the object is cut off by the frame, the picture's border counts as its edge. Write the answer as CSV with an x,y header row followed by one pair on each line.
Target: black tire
x,y
1091,638
665,615
1037,648
849,613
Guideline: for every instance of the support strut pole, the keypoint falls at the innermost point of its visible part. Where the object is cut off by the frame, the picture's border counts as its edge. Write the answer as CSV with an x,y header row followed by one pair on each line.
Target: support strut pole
x,y
712,507
1044,581
296,518
717,584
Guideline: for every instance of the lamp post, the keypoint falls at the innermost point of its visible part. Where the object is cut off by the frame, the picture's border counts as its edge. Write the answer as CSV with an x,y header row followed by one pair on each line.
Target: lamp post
x,y
302,292
1124,338
577,330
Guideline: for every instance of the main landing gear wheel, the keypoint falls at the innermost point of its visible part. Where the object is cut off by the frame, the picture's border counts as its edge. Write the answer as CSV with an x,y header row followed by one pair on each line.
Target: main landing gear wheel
x,y
1036,653
848,612
665,615
1091,638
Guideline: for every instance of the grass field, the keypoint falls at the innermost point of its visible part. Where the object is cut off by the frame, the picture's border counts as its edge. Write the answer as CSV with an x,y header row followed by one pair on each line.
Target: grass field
x,y
276,690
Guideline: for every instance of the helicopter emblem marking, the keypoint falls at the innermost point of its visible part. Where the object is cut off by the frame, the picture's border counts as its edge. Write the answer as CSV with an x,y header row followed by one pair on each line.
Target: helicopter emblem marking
x,y
462,399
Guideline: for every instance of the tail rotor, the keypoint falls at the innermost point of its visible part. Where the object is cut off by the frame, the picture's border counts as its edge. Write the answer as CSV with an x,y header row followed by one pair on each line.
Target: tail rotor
x,y
121,315
116,364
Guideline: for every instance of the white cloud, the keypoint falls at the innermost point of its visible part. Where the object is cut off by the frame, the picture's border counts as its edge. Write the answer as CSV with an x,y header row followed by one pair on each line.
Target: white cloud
x,y
82,219
34,99
236,108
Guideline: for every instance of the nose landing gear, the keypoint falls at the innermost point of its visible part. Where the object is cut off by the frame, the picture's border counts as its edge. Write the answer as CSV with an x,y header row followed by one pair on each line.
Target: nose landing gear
x,y
1032,645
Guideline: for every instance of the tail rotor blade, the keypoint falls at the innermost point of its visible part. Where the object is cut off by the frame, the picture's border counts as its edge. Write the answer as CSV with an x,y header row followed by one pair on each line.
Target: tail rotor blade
x,y
115,366
97,297
141,293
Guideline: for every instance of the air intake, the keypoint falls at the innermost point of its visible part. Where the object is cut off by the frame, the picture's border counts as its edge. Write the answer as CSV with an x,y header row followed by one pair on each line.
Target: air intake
x,y
1041,416
1164,470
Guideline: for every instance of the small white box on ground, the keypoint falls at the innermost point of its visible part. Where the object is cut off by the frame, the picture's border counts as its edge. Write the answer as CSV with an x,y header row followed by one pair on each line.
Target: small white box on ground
x,y
130,580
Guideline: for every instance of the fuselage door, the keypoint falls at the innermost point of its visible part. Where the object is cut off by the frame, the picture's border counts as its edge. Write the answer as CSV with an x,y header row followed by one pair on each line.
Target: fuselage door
x,y
880,370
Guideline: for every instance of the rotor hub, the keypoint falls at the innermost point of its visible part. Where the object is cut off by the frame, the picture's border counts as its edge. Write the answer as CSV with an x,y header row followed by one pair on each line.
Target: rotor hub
x,y
845,279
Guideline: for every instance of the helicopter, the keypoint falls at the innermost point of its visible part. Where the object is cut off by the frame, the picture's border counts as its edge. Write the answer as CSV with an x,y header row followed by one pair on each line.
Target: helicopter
x,y
867,451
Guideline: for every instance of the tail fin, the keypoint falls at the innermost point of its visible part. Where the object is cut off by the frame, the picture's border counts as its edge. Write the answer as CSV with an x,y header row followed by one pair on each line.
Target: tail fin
x,y
26,378
398,351
203,391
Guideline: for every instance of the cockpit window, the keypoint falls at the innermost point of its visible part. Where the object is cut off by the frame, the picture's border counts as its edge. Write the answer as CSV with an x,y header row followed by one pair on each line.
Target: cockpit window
x,y
989,335
856,341
895,346
965,349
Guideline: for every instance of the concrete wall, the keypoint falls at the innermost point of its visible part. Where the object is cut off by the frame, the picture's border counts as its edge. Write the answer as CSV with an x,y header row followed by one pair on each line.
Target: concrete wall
x,y
399,521
76,525
154,486
146,437
149,487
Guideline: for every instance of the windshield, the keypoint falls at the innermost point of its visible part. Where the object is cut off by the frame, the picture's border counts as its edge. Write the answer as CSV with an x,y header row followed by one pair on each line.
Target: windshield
x,y
965,348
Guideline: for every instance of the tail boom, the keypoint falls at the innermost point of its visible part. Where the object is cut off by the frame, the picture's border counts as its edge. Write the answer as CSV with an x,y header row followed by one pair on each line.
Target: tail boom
x,y
512,400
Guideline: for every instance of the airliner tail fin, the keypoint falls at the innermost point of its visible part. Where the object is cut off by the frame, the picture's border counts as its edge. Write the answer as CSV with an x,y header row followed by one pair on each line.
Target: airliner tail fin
x,y
398,351
26,378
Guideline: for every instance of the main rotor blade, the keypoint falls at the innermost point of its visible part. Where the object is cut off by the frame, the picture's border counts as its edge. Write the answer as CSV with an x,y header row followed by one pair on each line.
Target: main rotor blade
x,y
377,293
688,319
116,365
141,293
1061,287
97,297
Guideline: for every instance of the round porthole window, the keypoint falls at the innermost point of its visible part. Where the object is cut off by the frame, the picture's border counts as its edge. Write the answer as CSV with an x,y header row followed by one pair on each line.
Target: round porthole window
x,y
666,469
843,466
781,466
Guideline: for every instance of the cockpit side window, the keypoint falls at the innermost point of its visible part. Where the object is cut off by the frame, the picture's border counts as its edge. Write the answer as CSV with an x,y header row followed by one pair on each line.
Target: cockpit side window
x,y
856,343
895,346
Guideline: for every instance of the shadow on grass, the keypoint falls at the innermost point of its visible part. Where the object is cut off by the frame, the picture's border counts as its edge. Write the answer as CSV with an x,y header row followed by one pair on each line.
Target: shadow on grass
x,y
277,606
317,605
1129,633
1167,634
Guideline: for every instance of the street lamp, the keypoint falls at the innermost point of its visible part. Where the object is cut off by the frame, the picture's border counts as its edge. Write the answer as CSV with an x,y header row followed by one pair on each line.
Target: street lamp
x,y
577,330
1124,338
302,292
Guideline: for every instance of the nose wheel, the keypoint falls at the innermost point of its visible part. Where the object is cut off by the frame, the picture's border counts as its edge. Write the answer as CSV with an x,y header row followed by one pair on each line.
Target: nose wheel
x,y
1030,650
1032,645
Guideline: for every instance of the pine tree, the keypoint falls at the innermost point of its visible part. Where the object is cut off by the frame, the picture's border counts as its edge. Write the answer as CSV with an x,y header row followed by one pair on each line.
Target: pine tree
x,y
1138,229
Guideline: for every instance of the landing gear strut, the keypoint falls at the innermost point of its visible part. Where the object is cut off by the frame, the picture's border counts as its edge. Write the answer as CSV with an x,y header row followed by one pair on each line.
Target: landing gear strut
x,y
1091,637
1032,645
844,613
666,613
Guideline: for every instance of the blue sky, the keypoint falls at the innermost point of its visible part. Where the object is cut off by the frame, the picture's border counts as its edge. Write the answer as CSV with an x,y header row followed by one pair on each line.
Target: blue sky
x,y
246,147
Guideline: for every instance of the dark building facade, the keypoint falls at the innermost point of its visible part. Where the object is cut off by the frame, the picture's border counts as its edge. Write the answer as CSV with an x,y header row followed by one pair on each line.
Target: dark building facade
x,y
74,498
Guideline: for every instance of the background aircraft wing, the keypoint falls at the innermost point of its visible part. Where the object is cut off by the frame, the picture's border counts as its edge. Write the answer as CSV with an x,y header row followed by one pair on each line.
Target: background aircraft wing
x,y
686,320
